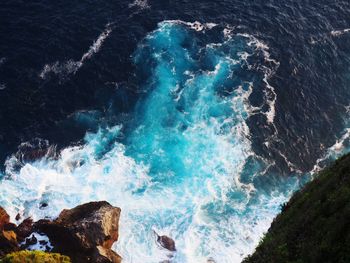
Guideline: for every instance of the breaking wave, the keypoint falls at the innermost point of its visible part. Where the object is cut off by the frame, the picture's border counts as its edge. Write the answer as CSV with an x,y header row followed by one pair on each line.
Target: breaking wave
x,y
183,165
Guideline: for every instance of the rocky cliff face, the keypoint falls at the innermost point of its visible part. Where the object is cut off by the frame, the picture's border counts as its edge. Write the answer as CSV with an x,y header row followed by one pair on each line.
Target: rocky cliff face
x,y
8,239
85,233
314,226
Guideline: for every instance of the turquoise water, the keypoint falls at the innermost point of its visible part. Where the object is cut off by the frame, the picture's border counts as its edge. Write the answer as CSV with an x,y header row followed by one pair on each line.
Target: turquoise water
x,y
183,164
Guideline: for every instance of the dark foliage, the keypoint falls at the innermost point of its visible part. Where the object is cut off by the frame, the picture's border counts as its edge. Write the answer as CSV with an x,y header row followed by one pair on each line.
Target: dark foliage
x,y
314,225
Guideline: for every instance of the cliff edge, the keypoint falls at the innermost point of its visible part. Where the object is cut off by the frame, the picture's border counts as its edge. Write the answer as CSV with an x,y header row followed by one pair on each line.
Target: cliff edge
x,y
314,226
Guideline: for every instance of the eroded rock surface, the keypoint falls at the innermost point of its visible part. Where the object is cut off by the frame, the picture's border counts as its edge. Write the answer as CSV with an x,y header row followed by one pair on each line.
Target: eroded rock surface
x,y
86,233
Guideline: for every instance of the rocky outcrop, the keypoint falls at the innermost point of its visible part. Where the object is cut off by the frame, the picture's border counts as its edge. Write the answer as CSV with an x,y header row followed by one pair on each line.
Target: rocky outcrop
x,y
24,229
86,233
166,242
8,242
8,238
4,218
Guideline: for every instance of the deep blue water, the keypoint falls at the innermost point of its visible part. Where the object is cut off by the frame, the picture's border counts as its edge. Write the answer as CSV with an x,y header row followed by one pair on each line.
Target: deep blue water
x,y
199,119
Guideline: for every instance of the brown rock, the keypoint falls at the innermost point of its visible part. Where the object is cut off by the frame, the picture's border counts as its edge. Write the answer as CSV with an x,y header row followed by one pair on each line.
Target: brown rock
x,y
166,242
10,226
18,217
4,218
8,242
8,238
24,229
29,241
104,255
86,233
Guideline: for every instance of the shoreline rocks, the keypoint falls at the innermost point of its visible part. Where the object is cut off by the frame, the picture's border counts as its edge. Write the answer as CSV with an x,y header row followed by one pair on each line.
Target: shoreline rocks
x,y
4,218
8,238
85,233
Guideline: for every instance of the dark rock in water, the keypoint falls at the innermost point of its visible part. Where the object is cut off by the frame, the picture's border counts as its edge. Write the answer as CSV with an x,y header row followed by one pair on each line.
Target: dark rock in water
x,y
34,150
166,242
18,217
43,242
86,233
24,229
4,218
32,240
43,205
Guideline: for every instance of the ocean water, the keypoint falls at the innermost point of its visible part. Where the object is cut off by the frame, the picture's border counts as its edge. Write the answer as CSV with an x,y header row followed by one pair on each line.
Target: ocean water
x,y
199,120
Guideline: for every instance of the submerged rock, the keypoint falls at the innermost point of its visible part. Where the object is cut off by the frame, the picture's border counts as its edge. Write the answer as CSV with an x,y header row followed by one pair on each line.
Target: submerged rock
x,y
86,233
166,242
18,217
30,241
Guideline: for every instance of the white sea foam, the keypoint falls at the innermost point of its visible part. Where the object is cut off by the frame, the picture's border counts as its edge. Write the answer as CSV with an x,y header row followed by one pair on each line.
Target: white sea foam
x,y
202,202
43,242
142,4
269,71
64,69
336,150
197,26
97,44
61,69
337,33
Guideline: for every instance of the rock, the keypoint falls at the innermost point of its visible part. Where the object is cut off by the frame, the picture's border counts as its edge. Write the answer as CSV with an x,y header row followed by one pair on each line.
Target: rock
x,y
10,227
8,238
8,242
30,241
43,242
18,217
86,233
43,205
166,242
35,149
24,229
103,255
4,218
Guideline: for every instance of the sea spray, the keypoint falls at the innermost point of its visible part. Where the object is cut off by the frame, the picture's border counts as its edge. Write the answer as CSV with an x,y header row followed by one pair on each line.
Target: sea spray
x,y
183,165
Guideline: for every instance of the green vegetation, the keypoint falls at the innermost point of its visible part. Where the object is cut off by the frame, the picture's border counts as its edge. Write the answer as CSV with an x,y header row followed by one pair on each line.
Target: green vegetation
x,y
34,257
314,226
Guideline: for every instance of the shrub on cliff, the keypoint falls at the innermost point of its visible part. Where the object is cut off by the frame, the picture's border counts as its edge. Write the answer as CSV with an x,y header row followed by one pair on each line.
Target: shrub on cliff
x,y
34,257
314,225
